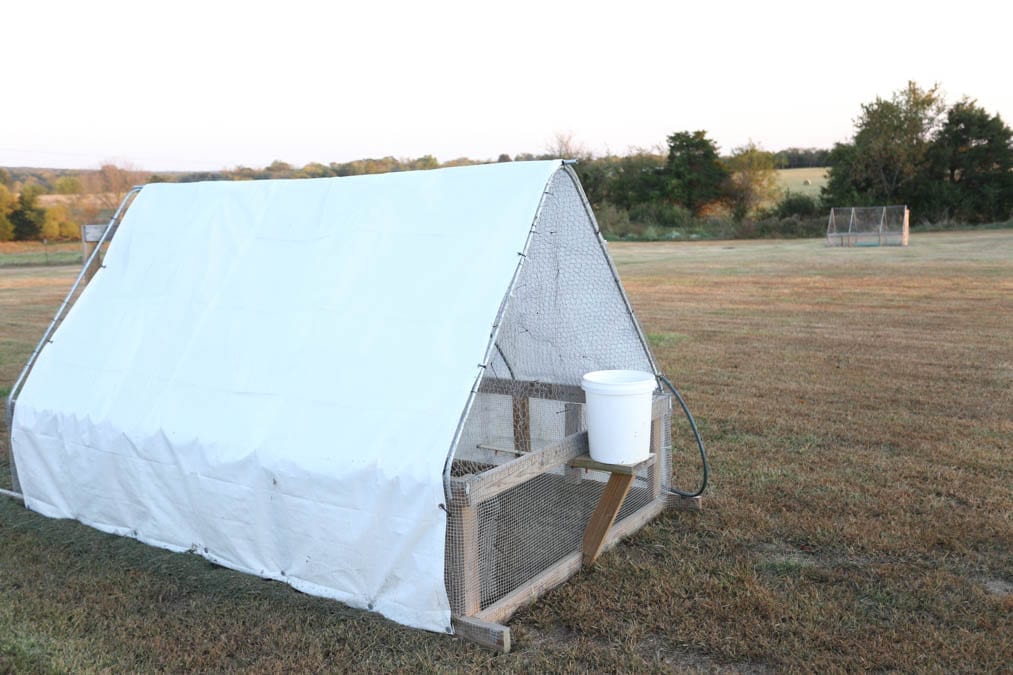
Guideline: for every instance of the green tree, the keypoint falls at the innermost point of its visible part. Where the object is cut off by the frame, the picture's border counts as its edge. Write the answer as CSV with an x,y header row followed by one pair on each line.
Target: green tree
x,y
695,174
972,158
6,228
67,185
423,162
843,186
58,224
279,169
891,143
28,216
7,203
316,170
796,204
752,181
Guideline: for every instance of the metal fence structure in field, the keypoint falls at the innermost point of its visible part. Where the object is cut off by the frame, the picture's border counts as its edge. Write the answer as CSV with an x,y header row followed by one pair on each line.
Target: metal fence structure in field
x,y
868,226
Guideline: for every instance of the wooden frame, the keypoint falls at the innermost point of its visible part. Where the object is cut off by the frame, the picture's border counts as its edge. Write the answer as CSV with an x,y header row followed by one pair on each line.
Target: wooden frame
x,y
486,626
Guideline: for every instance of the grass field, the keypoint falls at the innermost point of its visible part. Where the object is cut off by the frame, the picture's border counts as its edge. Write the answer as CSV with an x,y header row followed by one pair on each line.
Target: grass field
x,y
19,253
857,407
794,180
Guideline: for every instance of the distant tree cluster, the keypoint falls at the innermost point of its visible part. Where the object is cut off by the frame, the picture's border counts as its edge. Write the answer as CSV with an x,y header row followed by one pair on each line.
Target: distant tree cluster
x,y
802,158
945,162
52,204
21,217
279,169
689,186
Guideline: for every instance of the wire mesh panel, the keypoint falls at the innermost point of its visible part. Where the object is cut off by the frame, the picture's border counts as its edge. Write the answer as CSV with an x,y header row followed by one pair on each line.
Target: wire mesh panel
x,y
567,314
527,509
868,226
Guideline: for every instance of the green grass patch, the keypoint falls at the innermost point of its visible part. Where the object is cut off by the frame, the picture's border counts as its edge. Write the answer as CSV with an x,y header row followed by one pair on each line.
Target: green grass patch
x,y
17,254
666,339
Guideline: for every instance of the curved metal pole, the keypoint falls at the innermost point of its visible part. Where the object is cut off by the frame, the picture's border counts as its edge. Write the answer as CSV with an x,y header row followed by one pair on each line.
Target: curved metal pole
x,y
106,235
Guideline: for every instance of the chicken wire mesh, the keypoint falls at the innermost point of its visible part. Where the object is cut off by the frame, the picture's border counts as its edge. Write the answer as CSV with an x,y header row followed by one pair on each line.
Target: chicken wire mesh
x,y
567,315
868,226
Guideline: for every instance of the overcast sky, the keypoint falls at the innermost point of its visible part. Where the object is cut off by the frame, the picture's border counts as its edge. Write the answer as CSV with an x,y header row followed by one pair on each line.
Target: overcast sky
x,y
210,84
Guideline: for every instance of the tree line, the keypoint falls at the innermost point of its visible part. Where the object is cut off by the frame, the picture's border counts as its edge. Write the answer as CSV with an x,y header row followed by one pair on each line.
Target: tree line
x,y
947,163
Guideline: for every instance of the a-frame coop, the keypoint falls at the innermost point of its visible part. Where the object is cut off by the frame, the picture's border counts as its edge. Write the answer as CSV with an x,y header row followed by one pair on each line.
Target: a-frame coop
x,y
365,387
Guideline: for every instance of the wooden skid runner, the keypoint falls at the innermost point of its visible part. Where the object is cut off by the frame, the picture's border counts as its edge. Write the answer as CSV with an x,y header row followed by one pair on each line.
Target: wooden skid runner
x,y
486,634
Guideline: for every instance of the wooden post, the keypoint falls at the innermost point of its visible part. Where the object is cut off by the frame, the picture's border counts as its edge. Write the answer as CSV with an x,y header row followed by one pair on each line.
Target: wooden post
x,y
95,263
657,446
572,474
604,515
466,518
90,237
907,227
522,423
486,634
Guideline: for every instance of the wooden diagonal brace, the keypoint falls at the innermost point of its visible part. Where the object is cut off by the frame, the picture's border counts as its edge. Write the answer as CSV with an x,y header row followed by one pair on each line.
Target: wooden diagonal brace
x,y
605,514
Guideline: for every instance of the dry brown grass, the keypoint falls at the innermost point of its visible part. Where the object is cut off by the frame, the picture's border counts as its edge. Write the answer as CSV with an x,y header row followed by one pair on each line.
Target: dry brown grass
x,y
856,404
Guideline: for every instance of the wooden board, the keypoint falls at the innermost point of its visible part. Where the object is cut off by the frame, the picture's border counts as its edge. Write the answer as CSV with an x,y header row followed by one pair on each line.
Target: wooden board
x,y
490,483
524,389
605,514
522,424
470,578
572,425
657,446
486,634
585,462
504,608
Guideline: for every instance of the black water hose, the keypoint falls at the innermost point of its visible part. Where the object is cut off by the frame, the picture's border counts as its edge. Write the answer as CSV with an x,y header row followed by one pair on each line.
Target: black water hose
x,y
699,442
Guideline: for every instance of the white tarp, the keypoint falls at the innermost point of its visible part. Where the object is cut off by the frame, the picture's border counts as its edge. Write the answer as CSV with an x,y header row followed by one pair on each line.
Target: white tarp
x,y
271,373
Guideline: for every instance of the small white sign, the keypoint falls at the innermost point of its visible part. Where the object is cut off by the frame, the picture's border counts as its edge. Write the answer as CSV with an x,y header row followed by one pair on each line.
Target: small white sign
x,y
92,233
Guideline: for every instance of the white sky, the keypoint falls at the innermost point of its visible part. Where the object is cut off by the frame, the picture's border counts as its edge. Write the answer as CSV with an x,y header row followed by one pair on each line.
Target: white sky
x,y
215,84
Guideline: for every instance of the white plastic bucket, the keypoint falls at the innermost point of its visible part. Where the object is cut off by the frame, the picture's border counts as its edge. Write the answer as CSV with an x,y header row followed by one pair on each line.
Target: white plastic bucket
x,y
619,415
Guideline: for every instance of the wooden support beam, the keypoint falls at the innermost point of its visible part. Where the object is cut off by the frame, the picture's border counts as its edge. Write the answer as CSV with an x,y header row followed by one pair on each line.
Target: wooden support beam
x,y
605,514
486,634
567,393
657,446
572,425
478,488
585,462
504,608
522,423
633,522
95,264
571,422
527,389
466,568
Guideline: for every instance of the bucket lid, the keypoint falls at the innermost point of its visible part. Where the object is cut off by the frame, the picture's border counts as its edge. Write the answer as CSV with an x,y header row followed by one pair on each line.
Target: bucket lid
x,y
618,382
